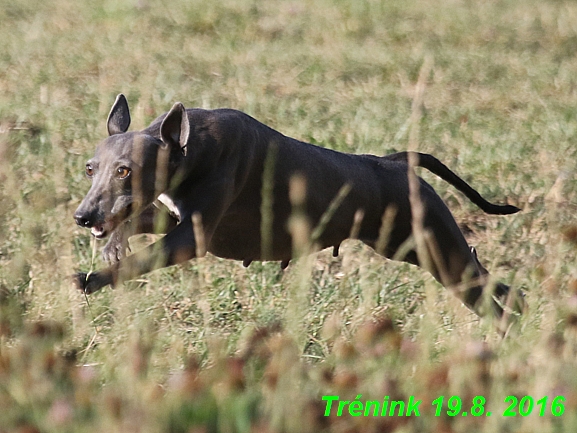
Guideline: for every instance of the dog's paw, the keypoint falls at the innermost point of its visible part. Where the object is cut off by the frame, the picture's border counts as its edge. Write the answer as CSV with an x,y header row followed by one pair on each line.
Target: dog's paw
x,y
513,299
115,248
87,283
79,281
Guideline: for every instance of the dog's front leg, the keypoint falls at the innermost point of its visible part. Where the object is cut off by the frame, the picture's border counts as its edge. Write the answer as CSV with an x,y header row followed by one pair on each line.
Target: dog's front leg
x,y
176,247
115,248
149,221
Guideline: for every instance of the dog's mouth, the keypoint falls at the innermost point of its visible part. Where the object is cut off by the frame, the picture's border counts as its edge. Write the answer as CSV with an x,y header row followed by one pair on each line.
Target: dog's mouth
x,y
102,229
99,231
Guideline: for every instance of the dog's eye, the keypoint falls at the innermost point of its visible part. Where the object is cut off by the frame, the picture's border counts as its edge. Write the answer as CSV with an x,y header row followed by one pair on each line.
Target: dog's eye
x,y
122,172
89,170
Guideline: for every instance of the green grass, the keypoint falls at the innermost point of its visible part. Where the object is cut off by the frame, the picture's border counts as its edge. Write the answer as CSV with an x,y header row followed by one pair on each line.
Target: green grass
x,y
211,346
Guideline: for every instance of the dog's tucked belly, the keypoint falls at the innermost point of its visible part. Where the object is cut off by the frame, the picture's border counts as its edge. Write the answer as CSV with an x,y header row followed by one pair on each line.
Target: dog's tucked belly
x,y
239,238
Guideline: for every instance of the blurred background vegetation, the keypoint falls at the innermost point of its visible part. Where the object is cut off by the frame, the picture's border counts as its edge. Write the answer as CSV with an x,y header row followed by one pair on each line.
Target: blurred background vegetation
x,y
211,346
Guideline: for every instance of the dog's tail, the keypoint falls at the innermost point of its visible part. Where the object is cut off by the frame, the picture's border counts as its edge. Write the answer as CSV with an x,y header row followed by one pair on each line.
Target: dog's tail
x,y
437,167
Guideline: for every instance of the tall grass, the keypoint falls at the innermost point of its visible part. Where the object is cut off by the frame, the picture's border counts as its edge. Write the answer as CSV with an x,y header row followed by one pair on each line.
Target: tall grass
x,y
212,346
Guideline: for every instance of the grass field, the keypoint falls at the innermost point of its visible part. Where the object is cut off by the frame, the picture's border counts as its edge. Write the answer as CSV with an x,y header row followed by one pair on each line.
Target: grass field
x,y
211,346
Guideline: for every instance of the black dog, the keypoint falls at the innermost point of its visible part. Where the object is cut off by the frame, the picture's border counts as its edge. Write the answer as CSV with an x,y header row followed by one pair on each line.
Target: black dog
x,y
209,165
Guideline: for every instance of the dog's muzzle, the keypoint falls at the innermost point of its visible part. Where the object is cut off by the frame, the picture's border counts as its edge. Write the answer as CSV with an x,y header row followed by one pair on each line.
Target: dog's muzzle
x,y
89,221
84,220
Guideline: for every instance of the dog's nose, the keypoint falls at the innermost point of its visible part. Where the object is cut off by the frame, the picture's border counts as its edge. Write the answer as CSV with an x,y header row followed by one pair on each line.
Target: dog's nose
x,y
83,220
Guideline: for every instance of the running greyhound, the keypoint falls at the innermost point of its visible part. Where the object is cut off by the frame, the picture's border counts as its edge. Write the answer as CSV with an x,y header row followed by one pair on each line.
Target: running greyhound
x,y
209,165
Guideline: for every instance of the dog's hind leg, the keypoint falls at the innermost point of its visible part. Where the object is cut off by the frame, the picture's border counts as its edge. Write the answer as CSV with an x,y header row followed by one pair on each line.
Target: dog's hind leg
x,y
503,294
455,265
449,258
464,276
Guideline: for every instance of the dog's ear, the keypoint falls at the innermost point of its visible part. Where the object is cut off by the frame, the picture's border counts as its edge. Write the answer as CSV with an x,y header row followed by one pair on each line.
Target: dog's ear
x,y
175,128
119,117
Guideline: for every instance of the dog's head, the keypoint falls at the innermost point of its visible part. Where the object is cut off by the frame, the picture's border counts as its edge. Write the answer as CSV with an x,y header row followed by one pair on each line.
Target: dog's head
x,y
130,169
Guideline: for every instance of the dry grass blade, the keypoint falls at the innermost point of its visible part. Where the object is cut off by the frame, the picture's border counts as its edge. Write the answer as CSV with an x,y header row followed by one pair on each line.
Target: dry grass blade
x,y
266,207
